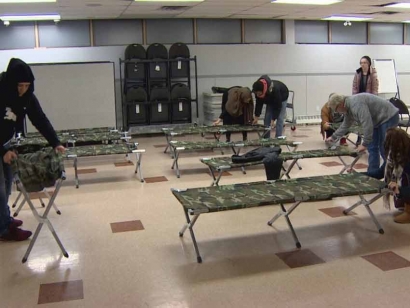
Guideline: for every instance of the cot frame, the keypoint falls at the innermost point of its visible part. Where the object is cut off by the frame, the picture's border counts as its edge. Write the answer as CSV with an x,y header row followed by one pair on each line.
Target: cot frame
x,y
236,148
283,212
170,134
138,168
218,172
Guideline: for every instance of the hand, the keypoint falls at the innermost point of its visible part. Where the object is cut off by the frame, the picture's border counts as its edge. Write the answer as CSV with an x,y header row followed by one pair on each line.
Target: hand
x,y
9,157
329,139
394,187
326,126
217,122
255,120
60,149
361,148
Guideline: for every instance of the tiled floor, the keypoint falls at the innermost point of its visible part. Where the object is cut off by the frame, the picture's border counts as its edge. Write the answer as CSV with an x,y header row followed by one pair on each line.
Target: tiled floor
x,y
343,262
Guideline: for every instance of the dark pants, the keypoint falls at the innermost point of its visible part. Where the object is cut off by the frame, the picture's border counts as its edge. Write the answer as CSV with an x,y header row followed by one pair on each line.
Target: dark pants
x,y
329,132
6,179
229,120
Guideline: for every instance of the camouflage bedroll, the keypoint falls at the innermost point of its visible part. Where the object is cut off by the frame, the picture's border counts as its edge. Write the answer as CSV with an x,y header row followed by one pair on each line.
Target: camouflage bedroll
x,y
248,195
39,170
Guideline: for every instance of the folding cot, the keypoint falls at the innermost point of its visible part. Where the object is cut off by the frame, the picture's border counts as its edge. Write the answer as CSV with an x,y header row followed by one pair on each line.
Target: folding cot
x,y
215,130
35,172
77,131
94,150
197,201
355,129
218,165
72,139
105,149
179,146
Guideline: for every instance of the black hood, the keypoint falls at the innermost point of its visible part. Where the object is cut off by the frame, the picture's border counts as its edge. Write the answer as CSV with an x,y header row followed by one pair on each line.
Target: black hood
x,y
18,71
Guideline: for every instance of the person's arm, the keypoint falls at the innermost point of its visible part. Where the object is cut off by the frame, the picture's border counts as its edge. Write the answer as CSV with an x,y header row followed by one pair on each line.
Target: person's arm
x,y
366,123
326,117
258,107
40,121
375,82
355,87
344,128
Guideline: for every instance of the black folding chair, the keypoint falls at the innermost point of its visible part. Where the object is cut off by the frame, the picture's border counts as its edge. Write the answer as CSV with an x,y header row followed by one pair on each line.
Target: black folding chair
x,y
403,110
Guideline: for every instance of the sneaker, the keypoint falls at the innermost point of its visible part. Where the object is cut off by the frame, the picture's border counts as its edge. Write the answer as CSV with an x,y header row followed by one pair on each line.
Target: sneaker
x,y
343,142
15,223
16,235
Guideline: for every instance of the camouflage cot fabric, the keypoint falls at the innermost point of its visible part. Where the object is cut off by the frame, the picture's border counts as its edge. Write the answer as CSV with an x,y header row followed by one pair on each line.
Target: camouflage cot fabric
x,y
220,162
38,170
269,142
103,149
201,145
79,131
248,195
214,129
94,137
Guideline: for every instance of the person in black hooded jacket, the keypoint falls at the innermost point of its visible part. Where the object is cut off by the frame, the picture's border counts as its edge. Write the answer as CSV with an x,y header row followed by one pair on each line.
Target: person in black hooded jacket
x,y
17,100
275,95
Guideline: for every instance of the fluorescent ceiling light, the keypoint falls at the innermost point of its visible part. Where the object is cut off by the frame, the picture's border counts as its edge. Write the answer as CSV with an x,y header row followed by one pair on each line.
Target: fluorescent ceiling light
x,y
398,5
347,18
26,1
308,2
30,17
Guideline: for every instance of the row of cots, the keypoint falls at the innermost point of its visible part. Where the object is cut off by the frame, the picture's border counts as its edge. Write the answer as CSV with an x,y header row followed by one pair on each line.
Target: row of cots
x,y
202,200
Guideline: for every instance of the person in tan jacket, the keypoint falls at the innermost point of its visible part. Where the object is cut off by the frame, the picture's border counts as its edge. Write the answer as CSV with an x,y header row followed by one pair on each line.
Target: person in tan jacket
x,y
330,117
237,108
365,81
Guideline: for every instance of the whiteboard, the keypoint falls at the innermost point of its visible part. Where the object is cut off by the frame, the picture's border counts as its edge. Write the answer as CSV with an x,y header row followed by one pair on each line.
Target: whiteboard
x,y
76,95
386,73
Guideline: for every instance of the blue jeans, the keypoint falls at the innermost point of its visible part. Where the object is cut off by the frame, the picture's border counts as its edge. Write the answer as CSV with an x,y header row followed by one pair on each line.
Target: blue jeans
x,y
269,116
281,119
376,147
5,190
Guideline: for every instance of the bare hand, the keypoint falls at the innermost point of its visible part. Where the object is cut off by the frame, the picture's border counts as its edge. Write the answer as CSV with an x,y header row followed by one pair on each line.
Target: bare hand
x,y
394,187
361,148
216,122
255,120
329,139
60,149
326,126
9,157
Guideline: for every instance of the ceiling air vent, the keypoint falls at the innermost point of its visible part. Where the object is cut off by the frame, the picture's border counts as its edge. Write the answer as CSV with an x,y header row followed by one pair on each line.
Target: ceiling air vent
x,y
174,8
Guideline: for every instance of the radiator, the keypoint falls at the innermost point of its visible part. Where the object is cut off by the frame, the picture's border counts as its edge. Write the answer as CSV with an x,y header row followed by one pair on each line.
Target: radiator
x,y
305,119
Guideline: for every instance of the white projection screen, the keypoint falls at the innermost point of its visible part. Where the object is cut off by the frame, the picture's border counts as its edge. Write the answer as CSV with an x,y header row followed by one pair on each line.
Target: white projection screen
x,y
386,73
76,95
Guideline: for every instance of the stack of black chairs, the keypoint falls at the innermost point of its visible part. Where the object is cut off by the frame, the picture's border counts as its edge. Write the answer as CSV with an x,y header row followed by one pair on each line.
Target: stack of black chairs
x,y
157,84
